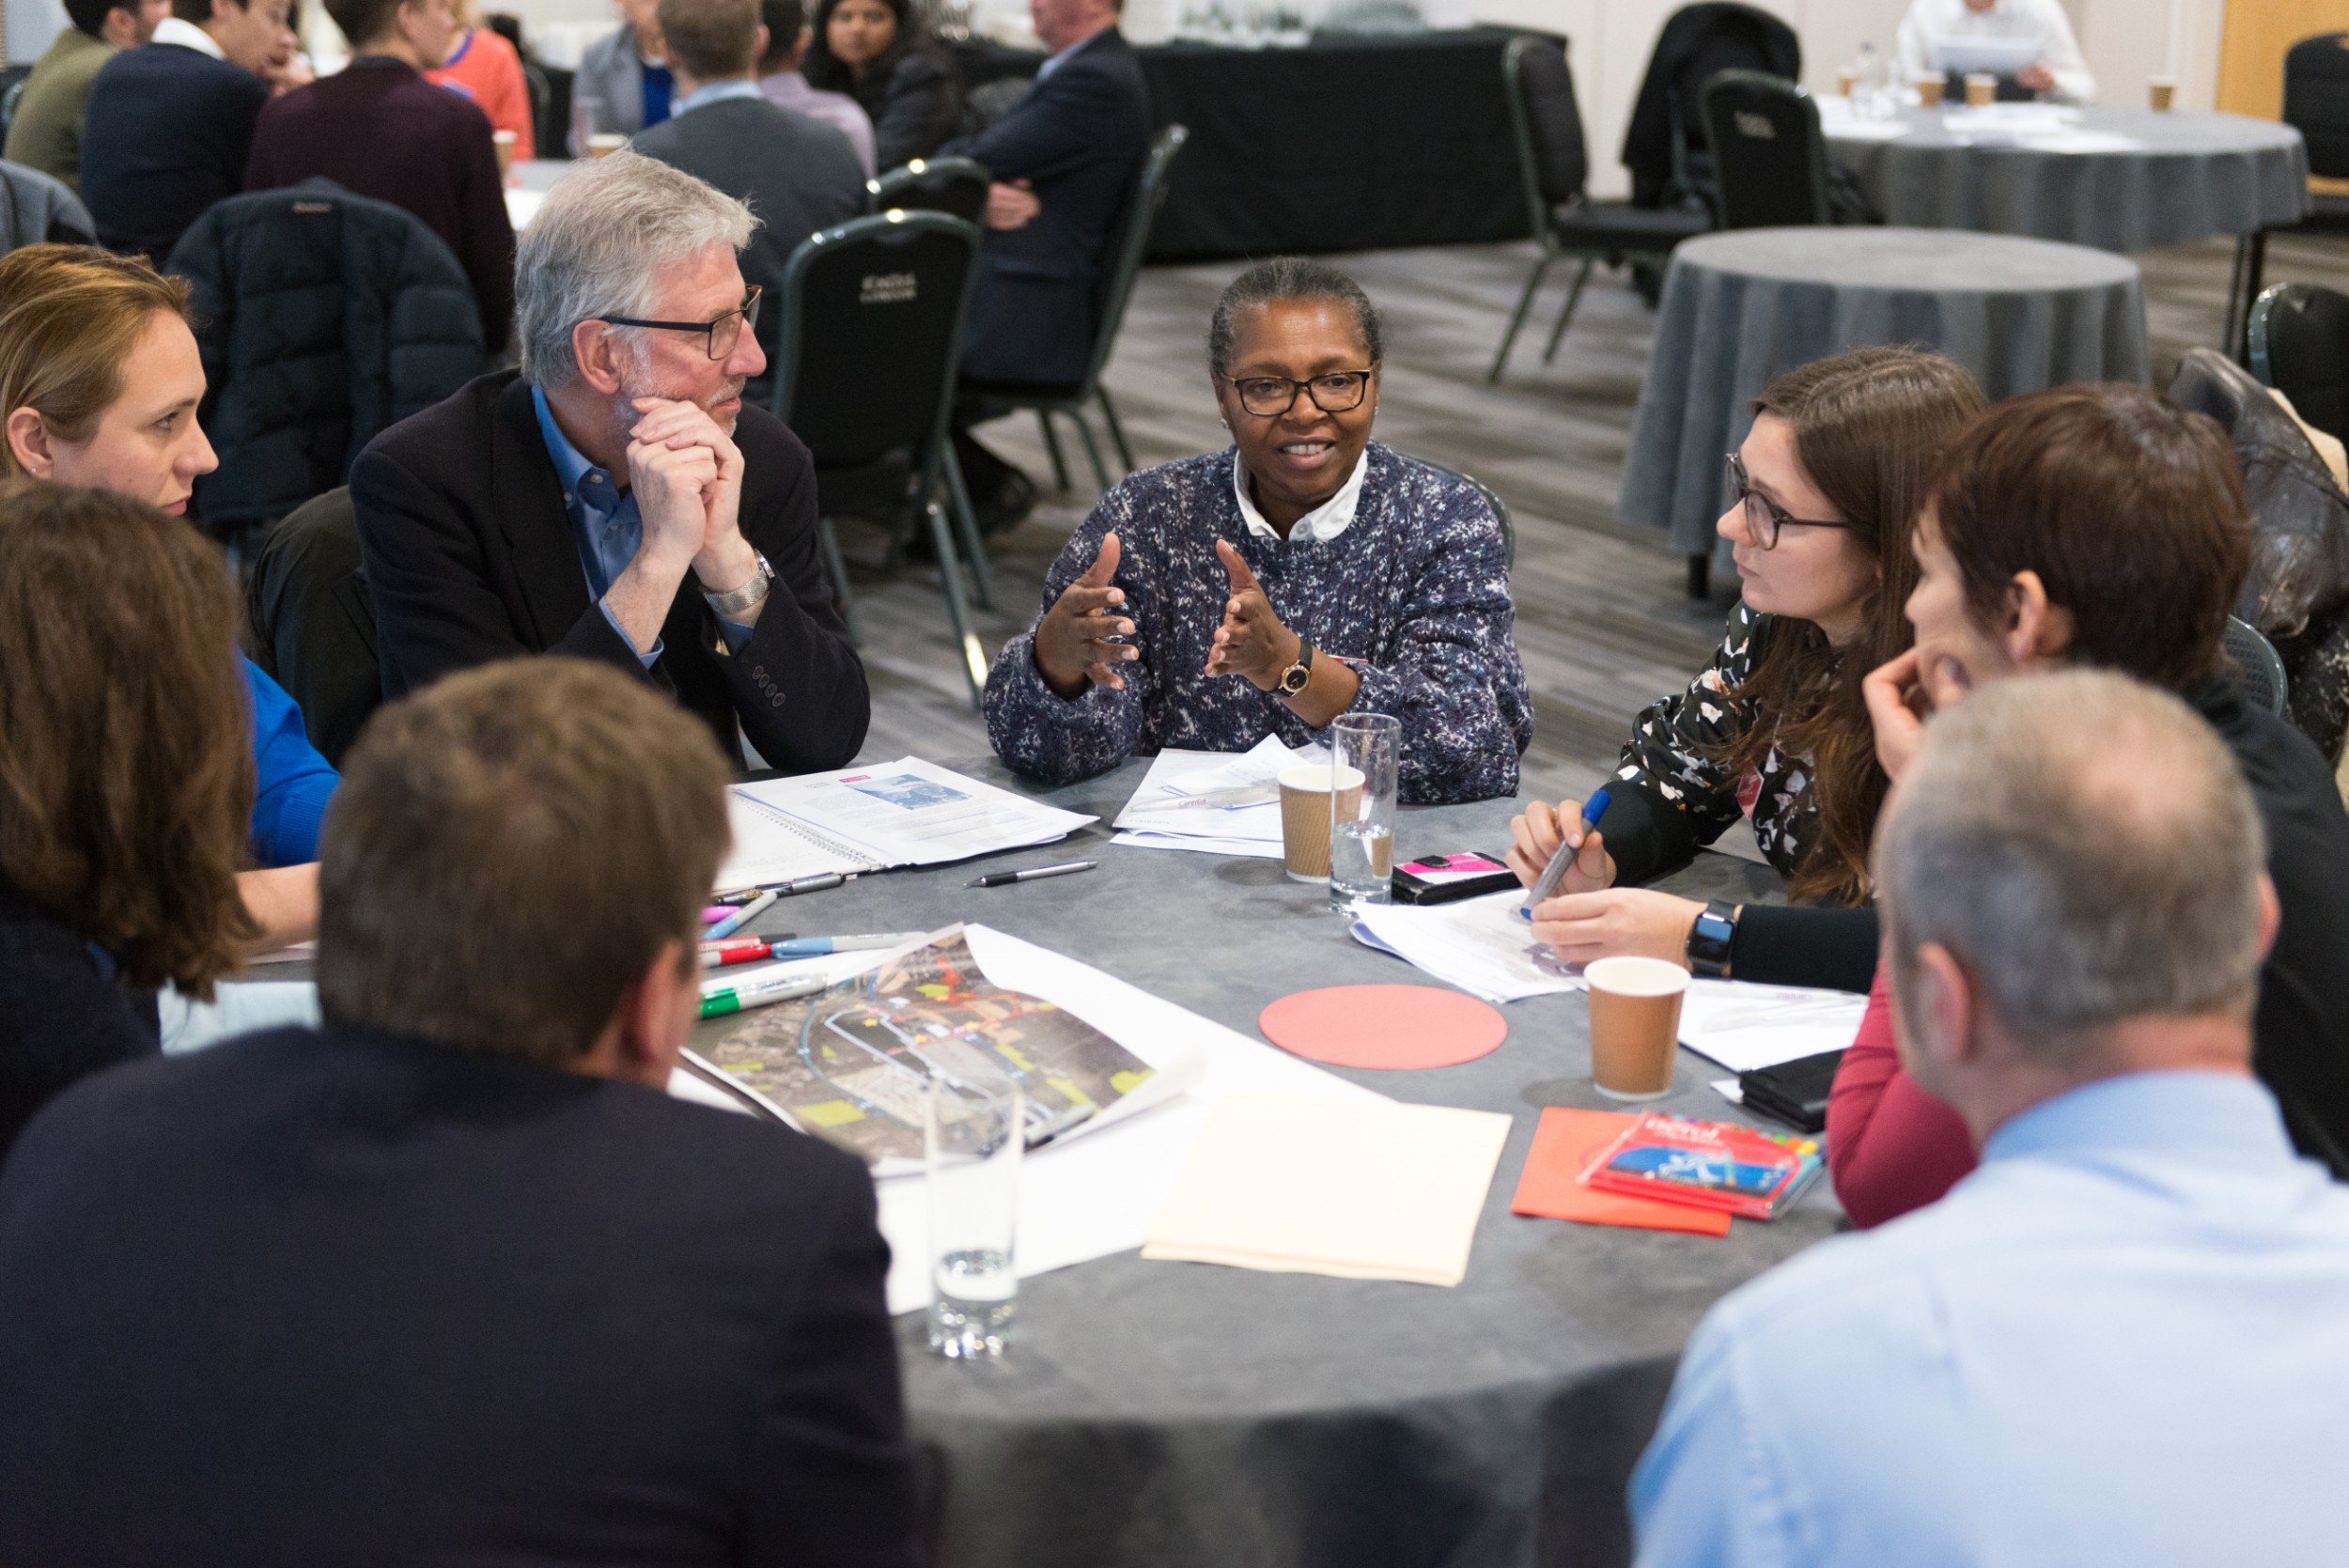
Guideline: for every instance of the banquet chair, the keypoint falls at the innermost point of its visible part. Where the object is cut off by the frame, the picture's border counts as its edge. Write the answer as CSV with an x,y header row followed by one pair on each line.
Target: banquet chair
x,y
1665,145
955,186
1769,155
2316,104
1552,162
2258,665
311,621
2299,344
1492,499
867,349
1130,239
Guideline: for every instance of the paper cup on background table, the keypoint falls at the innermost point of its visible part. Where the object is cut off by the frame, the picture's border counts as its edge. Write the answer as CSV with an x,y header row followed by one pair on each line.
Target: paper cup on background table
x,y
605,143
1981,91
1635,1025
1929,92
505,142
1846,80
2162,93
1305,791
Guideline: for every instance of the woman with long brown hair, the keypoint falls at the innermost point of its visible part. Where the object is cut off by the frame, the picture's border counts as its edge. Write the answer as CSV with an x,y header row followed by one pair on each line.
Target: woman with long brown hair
x,y
1823,491
125,783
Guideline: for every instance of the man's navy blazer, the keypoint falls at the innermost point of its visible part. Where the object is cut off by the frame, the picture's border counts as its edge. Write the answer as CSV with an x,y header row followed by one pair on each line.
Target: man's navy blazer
x,y
1079,136
350,1298
469,557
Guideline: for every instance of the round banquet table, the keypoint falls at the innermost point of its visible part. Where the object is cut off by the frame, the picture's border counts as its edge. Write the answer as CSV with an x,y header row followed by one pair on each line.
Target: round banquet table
x,y
1168,1413
2120,179
1743,307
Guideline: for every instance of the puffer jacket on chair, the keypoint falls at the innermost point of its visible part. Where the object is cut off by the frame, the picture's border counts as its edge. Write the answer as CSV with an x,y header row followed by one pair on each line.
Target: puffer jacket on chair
x,y
323,319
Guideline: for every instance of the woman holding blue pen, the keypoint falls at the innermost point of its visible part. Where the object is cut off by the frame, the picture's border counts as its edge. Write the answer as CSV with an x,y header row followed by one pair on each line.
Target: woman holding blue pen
x,y
1822,494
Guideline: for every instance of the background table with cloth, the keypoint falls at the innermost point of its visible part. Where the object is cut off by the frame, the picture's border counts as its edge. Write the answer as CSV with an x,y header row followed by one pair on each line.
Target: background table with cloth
x,y
1741,308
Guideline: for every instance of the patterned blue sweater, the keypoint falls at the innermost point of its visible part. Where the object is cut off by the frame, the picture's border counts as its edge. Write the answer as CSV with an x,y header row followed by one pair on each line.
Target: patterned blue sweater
x,y
1415,591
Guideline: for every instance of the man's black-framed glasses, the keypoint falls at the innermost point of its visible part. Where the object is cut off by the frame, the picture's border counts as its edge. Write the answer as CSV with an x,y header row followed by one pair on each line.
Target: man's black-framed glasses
x,y
721,334
1765,516
1269,397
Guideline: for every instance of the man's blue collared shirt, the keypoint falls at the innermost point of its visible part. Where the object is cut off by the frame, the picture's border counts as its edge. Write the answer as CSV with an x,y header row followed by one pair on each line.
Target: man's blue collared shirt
x,y
2125,1339
716,92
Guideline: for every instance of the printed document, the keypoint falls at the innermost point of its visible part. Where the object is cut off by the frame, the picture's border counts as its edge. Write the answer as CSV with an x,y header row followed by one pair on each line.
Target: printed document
x,y
863,819
1216,802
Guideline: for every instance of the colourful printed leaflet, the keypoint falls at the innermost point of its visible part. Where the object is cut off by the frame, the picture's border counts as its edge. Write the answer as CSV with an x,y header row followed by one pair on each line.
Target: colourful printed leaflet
x,y
1712,1165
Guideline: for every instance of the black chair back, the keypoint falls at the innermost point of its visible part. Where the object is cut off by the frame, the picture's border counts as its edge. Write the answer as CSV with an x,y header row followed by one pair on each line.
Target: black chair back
x,y
1132,237
870,333
1553,158
2258,666
546,137
1770,156
2316,100
955,186
313,623
2299,343
1492,499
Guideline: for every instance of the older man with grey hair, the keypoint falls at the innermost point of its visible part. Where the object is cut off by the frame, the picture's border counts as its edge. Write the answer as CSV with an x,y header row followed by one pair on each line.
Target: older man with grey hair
x,y
615,500
2125,1337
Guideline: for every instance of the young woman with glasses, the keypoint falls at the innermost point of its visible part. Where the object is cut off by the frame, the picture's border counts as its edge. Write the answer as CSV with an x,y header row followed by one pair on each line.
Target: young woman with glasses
x,y
1301,573
1821,495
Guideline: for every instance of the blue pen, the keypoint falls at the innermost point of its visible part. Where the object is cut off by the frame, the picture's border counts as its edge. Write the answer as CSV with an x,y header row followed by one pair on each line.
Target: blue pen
x,y
819,947
1560,863
740,917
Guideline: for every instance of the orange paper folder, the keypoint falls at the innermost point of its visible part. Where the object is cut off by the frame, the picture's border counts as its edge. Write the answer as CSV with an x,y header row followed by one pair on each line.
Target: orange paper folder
x,y
1564,1142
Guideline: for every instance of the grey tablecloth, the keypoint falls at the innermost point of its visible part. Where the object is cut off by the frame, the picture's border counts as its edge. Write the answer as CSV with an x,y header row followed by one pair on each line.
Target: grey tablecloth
x,y
2189,176
1158,1414
1741,308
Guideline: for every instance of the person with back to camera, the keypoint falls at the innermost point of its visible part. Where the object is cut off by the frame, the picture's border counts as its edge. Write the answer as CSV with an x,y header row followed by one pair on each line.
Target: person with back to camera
x,y
878,53
46,132
1303,572
2126,1338
787,86
453,1279
2103,526
125,786
1775,727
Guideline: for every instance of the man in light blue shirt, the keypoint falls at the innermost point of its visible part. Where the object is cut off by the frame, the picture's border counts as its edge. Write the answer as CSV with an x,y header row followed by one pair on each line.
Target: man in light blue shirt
x,y
2125,1339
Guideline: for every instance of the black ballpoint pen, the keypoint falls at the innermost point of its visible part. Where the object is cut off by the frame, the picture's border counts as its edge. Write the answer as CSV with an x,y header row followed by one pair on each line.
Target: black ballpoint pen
x,y
1005,879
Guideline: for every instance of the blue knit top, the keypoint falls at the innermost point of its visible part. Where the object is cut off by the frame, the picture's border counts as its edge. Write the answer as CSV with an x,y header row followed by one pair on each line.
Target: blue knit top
x,y
1414,593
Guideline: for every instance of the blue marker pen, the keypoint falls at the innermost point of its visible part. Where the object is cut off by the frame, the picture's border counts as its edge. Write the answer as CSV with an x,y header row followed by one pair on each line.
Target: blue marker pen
x,y
1555,872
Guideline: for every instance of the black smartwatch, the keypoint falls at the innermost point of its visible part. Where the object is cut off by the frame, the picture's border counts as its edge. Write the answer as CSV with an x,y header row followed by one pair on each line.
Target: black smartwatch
x,y
1295,678
1709,939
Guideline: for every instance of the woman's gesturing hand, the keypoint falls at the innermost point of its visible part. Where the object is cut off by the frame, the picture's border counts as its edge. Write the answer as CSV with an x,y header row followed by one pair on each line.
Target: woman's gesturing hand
x,y
1074,639
1251,643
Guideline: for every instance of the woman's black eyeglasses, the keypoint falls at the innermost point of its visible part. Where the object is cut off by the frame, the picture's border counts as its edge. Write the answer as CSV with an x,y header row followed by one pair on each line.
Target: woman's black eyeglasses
x,y
722,333
1765,516
1269,397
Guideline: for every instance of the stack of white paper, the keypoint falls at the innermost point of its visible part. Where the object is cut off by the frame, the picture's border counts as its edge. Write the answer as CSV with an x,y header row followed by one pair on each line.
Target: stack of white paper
x,y
1311,1187
1216,802
1482,945
1746,1027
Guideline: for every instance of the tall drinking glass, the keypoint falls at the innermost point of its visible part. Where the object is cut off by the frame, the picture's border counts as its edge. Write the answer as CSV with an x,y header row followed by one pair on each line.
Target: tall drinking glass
x,y
972,1138
1361,831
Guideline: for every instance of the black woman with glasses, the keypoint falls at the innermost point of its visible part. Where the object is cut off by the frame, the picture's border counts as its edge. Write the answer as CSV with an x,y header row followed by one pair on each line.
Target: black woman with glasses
x,y
615,500
1820,499
1303,572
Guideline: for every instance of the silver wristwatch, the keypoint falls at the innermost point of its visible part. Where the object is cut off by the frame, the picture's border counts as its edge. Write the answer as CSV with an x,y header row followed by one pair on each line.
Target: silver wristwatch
x,y
735,601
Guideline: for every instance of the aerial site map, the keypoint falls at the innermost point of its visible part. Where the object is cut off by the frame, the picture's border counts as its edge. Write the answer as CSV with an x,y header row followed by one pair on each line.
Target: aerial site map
x,y
852,1064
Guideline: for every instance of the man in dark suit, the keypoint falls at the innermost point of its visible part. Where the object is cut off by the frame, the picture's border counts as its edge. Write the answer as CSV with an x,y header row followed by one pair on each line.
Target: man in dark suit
x,y
1063,159
453,1278
795,175
170,123
616,501
377,127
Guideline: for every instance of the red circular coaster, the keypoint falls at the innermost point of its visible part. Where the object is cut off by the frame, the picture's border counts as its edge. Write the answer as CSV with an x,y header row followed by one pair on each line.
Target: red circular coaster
x,y
1384,1026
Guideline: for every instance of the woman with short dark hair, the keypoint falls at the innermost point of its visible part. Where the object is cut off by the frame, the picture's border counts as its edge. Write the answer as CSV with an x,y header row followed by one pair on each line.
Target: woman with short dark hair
x,y
125,780
2104,526
878,53
1302,572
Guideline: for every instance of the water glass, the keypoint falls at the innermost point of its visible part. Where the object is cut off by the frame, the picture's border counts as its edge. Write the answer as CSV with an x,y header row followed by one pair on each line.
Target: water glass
x,y
1362,829
972,1133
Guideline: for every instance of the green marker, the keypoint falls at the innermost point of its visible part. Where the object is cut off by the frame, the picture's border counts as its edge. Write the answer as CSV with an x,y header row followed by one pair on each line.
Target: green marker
x,y
757,991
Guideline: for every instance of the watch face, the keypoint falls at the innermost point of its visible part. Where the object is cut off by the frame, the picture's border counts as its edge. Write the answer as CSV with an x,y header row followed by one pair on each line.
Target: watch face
x,y
1295,680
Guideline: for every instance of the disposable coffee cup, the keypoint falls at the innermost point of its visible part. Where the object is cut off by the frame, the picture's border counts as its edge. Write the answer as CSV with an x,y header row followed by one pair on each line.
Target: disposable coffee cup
x,y
505,142
1635,1025
603,143
1980,91
1844,81
1305,814
2162,93
1929,92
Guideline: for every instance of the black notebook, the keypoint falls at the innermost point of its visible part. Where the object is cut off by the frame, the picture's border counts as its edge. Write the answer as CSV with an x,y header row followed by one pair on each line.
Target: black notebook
x,y
1794,1091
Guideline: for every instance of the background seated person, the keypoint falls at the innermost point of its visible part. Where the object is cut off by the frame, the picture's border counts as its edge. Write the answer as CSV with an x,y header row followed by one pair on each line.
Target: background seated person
x,y
2104,526
126,784
623,85
2125,1340
46,132
99,380
453,1278
1063,159
2059,71
878,53
613,500
781,80
1266,589
483,67
797,176
1775,728
378,128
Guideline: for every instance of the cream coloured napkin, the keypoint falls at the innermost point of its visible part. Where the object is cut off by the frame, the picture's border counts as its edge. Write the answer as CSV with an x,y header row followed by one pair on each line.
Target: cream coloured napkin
x,y
1361,1191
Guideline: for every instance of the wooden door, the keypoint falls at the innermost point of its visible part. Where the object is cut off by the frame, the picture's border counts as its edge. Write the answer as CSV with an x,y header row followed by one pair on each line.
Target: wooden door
x,y
2252,55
